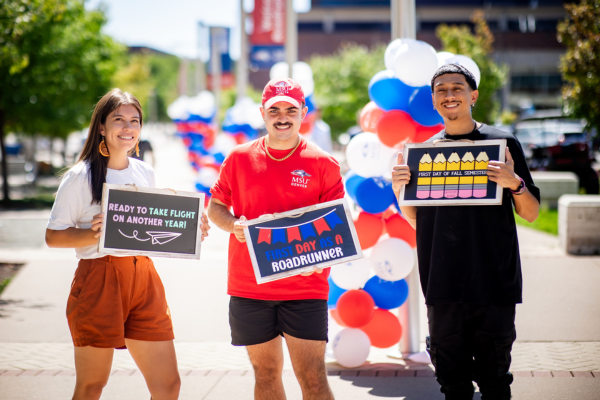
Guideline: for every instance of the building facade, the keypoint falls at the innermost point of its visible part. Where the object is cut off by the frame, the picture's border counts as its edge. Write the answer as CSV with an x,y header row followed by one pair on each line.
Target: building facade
x,y
524,32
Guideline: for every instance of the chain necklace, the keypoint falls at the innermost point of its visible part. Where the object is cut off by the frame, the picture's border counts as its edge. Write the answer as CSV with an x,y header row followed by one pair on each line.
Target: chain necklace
x,y
266,144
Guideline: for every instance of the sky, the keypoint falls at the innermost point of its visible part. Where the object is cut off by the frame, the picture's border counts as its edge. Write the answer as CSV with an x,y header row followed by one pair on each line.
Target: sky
x,y
167,25
172,25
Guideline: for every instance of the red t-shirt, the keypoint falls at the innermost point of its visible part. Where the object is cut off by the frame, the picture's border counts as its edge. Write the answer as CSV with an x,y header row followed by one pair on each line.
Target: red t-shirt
x,y
254,184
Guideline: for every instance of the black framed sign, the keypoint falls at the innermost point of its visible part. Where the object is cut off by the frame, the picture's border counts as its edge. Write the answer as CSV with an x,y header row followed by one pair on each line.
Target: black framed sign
x,y
297,241
151,222
451,173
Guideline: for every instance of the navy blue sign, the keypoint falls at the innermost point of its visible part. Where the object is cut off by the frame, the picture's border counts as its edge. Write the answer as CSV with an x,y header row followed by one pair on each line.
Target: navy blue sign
x,y
288,246
264,57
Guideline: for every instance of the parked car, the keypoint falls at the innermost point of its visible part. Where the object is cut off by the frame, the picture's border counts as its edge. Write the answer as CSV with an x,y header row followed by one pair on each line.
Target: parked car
x,y
559,144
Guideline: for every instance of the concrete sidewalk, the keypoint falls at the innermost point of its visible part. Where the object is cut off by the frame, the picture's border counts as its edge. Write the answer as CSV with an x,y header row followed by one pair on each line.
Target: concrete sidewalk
x,y
557,354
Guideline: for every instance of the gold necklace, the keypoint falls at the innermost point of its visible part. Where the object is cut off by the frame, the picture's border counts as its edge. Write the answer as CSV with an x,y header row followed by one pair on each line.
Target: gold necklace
x,y
266,144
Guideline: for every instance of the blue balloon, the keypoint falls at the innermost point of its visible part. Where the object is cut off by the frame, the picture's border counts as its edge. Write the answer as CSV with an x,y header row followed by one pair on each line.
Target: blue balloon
x,y
374,195
389,92
352,180
420,108
334,294
310,103
386,294
201,188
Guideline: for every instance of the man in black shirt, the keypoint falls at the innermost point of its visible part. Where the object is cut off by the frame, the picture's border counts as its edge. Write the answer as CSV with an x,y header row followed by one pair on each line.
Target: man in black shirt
x,y
469,259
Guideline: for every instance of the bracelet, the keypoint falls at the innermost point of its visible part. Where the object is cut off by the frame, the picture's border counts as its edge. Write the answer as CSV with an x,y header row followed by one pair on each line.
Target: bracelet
x,y
520,189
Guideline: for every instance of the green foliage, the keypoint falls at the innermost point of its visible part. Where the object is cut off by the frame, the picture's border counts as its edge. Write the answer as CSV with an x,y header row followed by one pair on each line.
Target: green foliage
x,y
478,46
547,221
341,82
580,66
4,284
54,64
149,75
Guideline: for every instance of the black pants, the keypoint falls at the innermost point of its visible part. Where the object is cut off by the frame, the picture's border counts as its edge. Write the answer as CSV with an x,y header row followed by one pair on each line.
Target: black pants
x,y
472,342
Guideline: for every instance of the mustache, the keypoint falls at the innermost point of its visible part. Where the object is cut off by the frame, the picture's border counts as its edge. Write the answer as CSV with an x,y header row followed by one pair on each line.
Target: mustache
x,y
282,124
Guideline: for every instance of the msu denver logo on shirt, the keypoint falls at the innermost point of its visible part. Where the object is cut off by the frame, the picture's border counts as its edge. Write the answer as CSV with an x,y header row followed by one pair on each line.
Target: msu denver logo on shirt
x,y
300,178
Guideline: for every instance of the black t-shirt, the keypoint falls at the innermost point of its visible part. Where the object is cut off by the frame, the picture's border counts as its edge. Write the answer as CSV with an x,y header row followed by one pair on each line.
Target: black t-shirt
x,y
470,254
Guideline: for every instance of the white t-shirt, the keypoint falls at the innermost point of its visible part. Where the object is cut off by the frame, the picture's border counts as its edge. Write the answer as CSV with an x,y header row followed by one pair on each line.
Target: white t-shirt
x,y
73,206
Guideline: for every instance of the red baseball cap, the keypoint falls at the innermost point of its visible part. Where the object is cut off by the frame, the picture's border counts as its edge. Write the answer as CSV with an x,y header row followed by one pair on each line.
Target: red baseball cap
x,y
283,89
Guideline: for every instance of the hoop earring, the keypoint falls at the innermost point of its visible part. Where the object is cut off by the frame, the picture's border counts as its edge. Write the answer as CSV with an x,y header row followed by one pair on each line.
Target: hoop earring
x,y
137,148
102,148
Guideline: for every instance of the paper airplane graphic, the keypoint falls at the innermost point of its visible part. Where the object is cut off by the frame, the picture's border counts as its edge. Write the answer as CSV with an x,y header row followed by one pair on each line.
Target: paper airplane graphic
x,y
162,237
157,237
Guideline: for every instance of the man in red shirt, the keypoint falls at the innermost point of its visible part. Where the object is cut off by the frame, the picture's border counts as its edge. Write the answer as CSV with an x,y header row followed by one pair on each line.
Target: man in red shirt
x,y
273,174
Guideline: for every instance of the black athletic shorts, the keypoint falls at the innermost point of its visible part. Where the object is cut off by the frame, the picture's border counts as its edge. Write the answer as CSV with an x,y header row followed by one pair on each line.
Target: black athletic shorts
x,y
259,321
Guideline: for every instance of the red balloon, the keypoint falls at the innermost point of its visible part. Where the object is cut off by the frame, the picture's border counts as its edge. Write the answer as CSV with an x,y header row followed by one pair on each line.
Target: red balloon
x,y
369,116
335,315
356,308
395,128
369,229
307,123
425,132
384,330
398,227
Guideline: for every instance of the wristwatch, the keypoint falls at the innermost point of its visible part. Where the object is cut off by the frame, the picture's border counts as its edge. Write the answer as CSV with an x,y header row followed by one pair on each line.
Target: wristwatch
x,y
520,189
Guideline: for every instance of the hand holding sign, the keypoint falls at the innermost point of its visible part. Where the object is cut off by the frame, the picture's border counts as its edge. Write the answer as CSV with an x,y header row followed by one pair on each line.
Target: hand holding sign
x,y
503,173
204,226
97,222
400,175
238,229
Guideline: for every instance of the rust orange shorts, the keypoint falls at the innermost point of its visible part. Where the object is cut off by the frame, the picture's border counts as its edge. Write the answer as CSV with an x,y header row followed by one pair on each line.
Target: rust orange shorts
x,y
113,298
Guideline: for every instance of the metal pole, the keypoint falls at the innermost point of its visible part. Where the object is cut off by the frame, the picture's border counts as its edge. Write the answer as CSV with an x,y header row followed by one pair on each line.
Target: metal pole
x,y
242,64
404,19
215,63
291,36
404,26
200,70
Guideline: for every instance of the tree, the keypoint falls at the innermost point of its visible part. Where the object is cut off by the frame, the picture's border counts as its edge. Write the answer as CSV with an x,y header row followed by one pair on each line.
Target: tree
x,y
478,46
580,66
54,65
341,82
152,78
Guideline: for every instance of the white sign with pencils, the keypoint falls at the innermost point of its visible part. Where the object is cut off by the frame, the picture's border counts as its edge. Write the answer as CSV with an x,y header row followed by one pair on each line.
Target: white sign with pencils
x,y
452,173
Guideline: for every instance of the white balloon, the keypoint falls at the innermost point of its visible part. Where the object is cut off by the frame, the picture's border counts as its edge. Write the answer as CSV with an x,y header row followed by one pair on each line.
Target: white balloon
x,y
442,56
415,62
203,104
351,275
179,108
207,177
367,156
468,63
392,259
393,161
351,347
246,111
224,143
391,50
279,70
302,70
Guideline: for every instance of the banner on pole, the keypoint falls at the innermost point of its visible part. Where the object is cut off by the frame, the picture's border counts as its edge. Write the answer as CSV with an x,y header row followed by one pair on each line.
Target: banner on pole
x,y
219,37
269,22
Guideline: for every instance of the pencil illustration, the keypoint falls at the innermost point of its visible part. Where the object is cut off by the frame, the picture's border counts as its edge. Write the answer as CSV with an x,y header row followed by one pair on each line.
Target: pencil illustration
x,y
424,182
480,181
437,182
465,183
451,184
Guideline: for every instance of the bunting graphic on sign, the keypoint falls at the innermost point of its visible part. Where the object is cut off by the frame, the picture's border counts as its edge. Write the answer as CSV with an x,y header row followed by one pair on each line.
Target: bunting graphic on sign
x,y
287,234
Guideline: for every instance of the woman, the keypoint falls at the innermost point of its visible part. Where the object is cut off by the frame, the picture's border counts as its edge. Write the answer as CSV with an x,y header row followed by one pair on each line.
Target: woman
x,y
115,302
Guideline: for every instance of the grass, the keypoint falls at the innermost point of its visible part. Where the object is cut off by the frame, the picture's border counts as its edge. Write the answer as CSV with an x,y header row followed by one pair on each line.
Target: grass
x,y
547,221
40,201
4,284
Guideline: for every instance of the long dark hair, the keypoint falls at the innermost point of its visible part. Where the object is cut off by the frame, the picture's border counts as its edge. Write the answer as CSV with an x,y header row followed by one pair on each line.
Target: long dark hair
x,y
90,154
